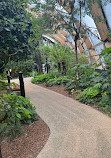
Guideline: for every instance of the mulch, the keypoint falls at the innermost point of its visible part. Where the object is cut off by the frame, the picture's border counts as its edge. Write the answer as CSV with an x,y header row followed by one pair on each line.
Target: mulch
x,y
29,144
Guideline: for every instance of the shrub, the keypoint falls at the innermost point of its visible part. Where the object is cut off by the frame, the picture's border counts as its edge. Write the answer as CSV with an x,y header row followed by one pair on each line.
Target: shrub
x,y
43,78
3,85
89,95
62,80
17,110
40,79
106,102
103,82
71,84
85,75
16,67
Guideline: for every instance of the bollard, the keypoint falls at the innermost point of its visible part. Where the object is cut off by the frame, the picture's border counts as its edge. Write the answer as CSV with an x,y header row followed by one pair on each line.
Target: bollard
x,y
22,89
0,152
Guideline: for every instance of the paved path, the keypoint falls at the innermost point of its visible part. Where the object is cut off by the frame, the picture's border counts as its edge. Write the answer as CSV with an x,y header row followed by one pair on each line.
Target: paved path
x,y
77,130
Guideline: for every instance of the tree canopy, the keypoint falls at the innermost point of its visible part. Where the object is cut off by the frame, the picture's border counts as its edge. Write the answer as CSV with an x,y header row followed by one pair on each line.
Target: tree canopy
x,y
15,30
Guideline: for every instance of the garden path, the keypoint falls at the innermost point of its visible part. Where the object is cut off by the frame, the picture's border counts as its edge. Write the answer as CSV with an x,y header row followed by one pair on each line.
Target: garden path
x,y
77,130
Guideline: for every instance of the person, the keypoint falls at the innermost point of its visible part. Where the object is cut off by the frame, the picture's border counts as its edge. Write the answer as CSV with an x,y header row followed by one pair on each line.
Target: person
x,y
49,66
35,67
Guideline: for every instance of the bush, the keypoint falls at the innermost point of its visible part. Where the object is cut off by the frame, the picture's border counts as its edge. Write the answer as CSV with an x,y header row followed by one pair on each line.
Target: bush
x,y
106,102
89,95
3,85
16,67
43,78
40,79
82,59
72,84
17,110
84,79
58,81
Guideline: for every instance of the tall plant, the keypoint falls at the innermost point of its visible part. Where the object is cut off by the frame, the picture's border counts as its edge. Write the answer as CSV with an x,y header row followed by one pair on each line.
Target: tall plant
x,y
61,56
15,30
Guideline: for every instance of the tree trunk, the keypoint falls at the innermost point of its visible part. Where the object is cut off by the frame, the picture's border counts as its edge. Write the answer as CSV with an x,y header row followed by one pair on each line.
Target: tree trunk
x,y
76,38
76,51
59,67
38,61
64,68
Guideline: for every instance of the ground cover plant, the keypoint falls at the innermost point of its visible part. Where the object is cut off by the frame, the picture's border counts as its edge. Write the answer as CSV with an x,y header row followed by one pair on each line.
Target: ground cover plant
x,y
62,80
100,89
15,111
43,78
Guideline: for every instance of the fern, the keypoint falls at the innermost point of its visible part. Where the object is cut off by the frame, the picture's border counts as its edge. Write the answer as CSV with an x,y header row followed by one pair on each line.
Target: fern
x,y
105,86
98,85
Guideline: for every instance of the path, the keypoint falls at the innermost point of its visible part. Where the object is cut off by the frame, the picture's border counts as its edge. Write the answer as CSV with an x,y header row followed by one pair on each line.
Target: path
x,y
77,130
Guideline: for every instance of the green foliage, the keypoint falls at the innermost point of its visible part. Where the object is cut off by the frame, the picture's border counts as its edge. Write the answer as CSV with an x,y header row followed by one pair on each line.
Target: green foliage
x,y
43,78
53,78
15,30
17,110
40,79
82,59
3,85
59,54
91,92
89,95
84,79
106,54
106,103
62,80
93,87
46,50
103,80
35,40
72,84
25,66
106,99
85,75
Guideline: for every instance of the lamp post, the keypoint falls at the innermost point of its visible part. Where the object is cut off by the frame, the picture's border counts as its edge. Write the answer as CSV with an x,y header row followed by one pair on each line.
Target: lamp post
x,y
22,89
8,76
47,68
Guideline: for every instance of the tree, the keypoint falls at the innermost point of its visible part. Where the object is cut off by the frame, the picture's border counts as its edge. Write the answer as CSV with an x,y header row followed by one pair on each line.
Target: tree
x,y
57,17
35,43
40,26
61,56
66,17
15,30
